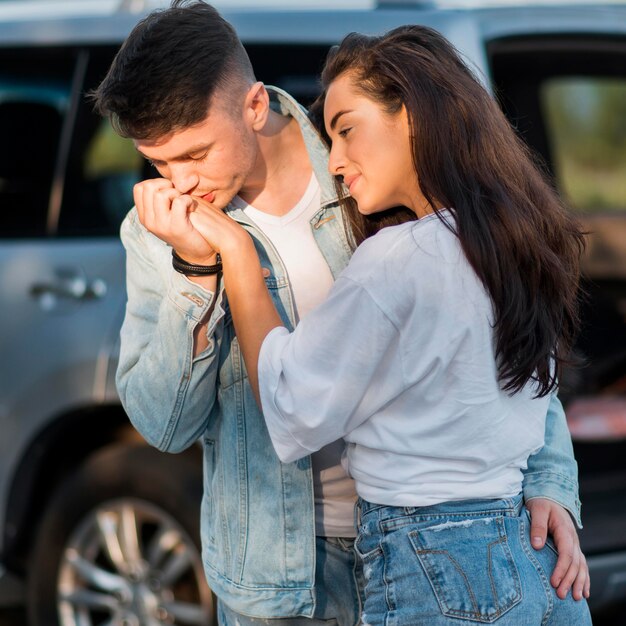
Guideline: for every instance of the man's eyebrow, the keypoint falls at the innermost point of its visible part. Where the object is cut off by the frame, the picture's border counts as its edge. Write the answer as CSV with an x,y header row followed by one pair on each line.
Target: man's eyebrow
x,y
145,156
337,115
181,157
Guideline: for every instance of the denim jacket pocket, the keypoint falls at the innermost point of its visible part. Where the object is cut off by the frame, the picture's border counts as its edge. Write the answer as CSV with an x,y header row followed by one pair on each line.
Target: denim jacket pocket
x,y
470,567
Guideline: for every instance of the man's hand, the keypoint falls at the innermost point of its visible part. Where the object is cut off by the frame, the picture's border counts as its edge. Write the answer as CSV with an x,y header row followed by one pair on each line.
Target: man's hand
x,y
169,220
571,571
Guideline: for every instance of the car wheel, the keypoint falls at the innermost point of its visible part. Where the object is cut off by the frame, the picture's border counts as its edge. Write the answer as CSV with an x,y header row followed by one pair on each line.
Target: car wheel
x,y
119,545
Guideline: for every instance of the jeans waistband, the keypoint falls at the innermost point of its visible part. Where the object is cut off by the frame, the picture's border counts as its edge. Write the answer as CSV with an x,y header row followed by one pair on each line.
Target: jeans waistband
x,y
510,507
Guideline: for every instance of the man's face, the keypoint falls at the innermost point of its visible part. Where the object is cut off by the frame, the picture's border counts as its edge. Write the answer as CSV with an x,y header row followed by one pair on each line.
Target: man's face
x,y
211,160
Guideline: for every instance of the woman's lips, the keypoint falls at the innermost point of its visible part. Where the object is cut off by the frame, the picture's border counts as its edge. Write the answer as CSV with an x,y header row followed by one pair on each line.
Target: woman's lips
x,y
350,180
209,197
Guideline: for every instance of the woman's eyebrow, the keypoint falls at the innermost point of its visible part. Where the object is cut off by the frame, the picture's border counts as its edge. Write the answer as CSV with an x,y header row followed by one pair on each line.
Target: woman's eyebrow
x,y
337,115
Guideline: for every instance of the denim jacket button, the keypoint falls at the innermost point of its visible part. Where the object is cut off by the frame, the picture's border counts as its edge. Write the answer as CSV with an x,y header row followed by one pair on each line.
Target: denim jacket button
x,y
195,299
266,272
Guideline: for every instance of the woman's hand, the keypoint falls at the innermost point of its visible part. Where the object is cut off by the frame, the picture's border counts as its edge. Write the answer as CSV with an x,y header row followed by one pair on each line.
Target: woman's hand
x,y
571,571
222,233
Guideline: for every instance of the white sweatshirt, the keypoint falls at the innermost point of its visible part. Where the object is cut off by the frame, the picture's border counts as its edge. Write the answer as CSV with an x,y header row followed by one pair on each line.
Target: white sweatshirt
x,y
399,360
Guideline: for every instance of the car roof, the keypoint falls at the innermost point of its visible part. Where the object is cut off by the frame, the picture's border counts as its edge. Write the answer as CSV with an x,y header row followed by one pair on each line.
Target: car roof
x,y
54,22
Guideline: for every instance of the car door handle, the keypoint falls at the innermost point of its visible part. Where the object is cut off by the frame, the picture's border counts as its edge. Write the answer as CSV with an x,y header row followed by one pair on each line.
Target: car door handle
x,y
70,285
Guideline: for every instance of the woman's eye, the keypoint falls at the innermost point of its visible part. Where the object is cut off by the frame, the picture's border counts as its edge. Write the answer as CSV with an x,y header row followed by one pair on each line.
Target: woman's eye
x,y
344,131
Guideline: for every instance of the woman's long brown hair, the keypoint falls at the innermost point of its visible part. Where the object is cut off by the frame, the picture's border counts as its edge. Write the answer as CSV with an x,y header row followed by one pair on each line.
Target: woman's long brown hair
x,y
521,241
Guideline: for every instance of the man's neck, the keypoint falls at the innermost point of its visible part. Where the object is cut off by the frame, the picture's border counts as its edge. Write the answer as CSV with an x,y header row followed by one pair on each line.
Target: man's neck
x,y
283,169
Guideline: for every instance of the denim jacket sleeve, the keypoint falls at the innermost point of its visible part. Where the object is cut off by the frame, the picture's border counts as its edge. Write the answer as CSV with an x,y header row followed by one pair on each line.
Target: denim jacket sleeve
x,y
553,472
158,379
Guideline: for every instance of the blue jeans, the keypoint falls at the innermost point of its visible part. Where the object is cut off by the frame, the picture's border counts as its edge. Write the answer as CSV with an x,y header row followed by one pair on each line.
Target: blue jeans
x,y
459,562
338,581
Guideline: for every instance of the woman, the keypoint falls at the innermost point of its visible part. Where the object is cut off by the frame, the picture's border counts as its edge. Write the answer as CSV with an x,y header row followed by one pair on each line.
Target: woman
x,y
447,330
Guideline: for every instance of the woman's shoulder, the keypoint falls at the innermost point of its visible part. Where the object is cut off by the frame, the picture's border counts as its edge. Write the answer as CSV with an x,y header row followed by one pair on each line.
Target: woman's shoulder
x,y
378,251
405,264
426,241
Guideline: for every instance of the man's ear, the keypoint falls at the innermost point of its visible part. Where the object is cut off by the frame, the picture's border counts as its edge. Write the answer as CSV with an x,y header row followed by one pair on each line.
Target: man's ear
x,y
257,106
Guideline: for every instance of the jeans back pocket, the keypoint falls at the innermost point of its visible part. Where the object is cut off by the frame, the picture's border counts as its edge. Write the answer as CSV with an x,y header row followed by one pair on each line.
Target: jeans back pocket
x,y
470,567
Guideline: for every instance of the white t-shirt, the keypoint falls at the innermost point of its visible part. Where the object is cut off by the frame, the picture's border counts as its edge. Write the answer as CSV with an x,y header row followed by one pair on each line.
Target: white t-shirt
x,y
309,275
399,360
310,280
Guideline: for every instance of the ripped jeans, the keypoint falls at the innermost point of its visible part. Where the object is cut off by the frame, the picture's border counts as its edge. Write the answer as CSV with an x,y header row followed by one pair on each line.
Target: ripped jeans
x,y
459,562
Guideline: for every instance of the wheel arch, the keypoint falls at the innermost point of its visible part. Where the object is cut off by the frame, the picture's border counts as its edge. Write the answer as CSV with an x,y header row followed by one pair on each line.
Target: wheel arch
x,y
57,450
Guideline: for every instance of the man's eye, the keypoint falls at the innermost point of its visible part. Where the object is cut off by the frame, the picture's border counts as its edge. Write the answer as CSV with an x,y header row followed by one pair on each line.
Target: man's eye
x,y
198,157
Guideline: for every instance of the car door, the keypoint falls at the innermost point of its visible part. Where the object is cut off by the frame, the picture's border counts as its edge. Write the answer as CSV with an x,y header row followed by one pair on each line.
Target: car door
x,y
61,262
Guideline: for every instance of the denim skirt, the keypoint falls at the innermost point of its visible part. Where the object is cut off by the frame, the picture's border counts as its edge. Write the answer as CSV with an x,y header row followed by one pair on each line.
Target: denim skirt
x,y
459,562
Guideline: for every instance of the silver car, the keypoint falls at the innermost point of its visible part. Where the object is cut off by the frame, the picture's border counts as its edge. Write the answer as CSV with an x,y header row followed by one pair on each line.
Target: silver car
x,y
98,528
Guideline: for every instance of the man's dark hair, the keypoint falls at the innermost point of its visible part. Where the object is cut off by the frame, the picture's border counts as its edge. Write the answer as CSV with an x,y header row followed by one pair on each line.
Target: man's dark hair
x,y
170,66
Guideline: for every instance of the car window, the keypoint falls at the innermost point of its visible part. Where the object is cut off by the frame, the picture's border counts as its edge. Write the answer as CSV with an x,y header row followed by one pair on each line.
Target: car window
x,y
102,167
567,98
586,128
31,119
113,166
294,68
99,184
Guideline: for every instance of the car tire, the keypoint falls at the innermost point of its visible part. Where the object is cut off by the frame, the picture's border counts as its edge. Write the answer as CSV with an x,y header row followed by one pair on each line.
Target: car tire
x,y
119,543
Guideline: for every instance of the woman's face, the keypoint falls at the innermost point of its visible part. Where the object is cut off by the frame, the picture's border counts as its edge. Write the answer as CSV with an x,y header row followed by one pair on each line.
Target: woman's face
x,y
371,149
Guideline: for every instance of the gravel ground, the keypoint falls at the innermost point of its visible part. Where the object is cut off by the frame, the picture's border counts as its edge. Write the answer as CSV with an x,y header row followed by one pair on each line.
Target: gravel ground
x,y
617,617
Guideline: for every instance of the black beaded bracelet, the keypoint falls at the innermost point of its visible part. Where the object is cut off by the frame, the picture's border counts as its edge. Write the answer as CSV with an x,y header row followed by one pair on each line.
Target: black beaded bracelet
x,y
191,269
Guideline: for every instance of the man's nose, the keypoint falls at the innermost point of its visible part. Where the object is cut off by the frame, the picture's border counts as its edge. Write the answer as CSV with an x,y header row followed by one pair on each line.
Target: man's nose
x,y
184,179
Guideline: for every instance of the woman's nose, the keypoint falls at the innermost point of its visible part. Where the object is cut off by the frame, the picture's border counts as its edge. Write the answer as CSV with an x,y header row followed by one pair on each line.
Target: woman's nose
x,y
336,161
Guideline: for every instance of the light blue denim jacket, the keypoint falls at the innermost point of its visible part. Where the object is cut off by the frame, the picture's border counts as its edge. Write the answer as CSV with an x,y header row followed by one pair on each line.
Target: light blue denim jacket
x,y
258,529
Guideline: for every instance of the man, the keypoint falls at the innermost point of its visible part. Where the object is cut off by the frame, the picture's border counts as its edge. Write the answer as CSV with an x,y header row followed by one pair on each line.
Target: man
x,y
277,538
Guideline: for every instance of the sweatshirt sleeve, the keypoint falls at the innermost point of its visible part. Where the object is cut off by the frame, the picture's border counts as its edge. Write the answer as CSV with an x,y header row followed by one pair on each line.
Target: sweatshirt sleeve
x,y
331,374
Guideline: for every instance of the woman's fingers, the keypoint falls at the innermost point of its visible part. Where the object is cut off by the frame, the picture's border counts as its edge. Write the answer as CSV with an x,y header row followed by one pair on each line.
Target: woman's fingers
x,y
580,587
223,233
571,571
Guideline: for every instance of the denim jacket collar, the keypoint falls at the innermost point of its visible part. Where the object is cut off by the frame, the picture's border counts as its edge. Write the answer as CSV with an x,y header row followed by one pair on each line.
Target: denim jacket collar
x,y
284,104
